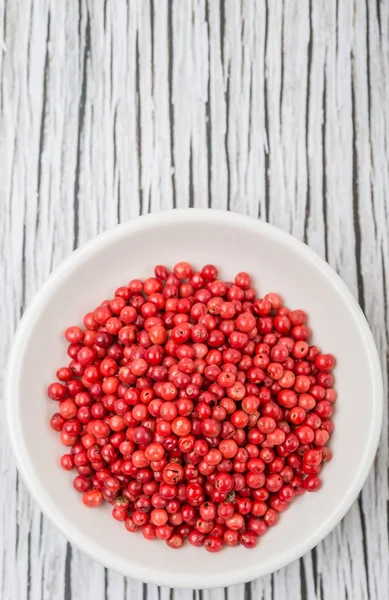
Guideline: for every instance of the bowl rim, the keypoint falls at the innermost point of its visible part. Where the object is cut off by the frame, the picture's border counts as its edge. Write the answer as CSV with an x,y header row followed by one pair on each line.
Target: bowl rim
x,y
38,491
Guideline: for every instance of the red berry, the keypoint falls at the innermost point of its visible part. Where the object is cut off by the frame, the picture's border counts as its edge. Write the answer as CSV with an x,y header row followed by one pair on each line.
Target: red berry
x,y
248,539
92,498
213,543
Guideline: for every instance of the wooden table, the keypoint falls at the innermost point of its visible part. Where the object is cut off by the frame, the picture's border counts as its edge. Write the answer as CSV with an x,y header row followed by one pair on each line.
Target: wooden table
x,y
279,110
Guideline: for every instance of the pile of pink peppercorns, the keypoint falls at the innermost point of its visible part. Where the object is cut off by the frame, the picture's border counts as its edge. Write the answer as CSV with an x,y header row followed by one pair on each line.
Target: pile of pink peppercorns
x,y
196,409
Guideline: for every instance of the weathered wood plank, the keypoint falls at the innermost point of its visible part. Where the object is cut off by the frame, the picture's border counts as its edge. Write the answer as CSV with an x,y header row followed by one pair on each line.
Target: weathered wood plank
x,y
274,109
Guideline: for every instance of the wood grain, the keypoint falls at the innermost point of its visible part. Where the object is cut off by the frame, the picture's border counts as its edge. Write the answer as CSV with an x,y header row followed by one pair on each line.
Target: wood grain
x,y
275,109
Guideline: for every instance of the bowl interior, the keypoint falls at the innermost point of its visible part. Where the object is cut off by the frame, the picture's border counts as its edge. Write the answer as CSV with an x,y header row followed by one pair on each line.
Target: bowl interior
x,y
277,263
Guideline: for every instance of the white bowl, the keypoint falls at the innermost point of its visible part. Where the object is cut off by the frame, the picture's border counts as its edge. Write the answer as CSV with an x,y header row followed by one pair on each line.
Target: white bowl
x,y
277,262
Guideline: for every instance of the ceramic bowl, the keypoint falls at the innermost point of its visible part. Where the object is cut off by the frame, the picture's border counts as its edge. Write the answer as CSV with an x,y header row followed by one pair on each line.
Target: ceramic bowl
x,y
277,262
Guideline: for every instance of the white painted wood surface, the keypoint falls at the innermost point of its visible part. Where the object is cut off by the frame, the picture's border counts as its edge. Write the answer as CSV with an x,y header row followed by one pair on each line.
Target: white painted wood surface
x,y
277,109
